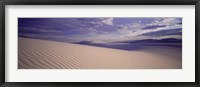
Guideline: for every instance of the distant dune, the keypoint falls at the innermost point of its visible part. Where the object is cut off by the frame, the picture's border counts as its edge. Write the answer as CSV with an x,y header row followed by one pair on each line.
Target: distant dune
x,y
44,54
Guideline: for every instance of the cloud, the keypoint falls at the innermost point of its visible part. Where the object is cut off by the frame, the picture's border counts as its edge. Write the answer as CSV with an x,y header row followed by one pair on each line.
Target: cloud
x,y
160,29
177,31
158,38
102,30
166,21
39,30
108,21
134,31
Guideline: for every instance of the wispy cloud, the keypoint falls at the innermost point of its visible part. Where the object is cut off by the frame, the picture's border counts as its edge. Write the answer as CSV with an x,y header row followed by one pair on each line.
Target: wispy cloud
x,y
108,21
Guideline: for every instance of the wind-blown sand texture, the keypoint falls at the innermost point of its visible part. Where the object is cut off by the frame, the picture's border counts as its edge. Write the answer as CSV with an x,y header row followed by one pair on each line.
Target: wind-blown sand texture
x,y
44,54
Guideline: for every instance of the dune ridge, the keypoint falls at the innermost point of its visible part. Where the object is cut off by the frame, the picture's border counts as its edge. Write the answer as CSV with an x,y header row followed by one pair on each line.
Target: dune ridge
x,y
44,54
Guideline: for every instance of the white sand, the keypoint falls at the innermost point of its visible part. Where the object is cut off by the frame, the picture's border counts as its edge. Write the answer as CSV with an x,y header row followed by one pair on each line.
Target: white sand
x,y
44,54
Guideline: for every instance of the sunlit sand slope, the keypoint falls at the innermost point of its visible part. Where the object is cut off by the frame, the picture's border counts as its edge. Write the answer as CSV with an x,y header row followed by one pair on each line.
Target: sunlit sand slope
x,y
44,54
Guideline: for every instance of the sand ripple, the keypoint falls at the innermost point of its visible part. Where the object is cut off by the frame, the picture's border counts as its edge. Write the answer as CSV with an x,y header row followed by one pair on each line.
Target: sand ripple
x,y
43,54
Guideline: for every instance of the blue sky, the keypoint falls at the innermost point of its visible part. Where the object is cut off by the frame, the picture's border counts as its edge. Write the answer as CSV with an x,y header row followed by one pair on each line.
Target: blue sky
x,y
100,30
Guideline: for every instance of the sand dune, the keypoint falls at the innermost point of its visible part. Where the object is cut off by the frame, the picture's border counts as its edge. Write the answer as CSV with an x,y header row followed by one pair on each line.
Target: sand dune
x,y
43,54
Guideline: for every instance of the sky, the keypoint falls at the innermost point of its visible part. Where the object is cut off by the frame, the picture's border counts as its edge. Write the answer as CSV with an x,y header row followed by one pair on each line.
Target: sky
x,y
100,30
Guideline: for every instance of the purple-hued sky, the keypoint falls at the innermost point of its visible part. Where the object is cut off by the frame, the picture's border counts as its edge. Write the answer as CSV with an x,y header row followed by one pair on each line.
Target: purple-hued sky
x,y
100,30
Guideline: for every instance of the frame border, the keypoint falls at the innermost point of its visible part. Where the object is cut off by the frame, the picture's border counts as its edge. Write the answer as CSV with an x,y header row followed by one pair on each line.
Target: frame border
x,y
98,2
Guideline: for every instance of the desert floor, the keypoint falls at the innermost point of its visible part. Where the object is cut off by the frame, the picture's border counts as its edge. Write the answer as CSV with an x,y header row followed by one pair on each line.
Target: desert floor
x,y
44,54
